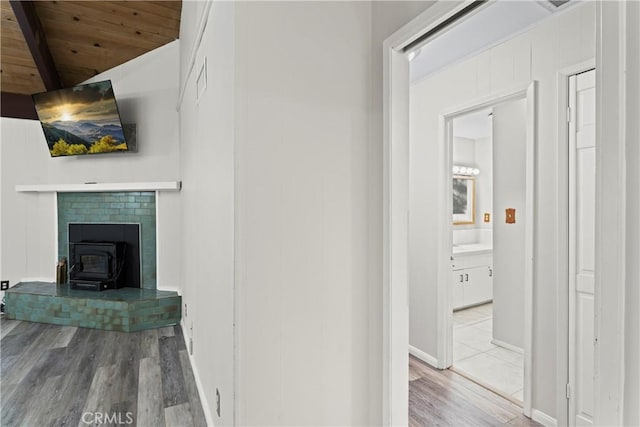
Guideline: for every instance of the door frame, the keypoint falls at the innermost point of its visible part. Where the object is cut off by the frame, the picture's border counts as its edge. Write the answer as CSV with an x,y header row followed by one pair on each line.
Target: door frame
x,y
563,280
395,238
444,290
611,193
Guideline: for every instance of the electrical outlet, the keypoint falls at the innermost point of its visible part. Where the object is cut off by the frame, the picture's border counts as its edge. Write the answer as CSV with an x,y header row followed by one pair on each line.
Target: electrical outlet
x,y
4,285
218,402
185,310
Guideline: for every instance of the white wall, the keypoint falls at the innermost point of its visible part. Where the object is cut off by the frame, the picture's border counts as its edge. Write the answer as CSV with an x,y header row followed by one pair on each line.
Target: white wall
x,y
464,151
28,230
476,153
484,196
303,290
567,39
146,92
632,293
509,189
207,198
308,198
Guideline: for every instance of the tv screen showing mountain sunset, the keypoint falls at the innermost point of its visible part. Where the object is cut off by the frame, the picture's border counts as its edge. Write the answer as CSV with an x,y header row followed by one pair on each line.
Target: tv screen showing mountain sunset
x,y
81,120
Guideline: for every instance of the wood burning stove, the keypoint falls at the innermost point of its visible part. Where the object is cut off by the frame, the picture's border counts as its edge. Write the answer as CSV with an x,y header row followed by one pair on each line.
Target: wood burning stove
x,y
104,256
97,265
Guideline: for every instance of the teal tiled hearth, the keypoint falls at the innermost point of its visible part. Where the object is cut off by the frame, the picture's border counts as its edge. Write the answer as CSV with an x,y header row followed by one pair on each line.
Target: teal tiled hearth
x,y
124,309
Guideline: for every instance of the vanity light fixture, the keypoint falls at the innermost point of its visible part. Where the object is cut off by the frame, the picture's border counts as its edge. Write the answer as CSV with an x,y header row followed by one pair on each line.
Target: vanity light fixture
x,y
464,170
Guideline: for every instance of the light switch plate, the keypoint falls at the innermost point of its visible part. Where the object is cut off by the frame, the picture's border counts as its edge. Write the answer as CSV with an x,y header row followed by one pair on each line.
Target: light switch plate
x,y
510,214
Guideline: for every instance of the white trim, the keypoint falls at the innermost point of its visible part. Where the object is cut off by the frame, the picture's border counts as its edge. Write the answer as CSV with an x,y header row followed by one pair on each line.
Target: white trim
x,y
542,418
425,357
513,93
204,18
444,343
100,187
529,242
508,346
610,235
444,292
203,397
395,381
562,340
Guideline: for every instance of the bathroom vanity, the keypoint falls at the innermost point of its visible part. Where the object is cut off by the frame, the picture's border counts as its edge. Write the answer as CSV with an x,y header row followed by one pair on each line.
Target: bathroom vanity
x,y
471,275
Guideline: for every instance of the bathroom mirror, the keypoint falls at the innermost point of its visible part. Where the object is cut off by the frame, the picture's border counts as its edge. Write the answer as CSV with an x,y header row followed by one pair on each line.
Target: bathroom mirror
x,y
464,200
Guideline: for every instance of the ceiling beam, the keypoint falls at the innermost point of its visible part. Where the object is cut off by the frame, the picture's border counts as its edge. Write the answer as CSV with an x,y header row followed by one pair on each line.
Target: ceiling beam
x,y
33,32
17,105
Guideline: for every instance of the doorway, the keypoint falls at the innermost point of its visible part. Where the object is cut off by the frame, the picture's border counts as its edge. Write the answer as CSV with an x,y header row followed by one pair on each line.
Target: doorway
x,y
486,315
610,186
488,246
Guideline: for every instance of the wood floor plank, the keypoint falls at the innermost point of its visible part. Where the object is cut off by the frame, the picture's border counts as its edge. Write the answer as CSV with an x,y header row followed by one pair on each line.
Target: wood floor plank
x,y
149,346
173,388
177,330
125,396
63,336
59,372
195,405
6,326
150,398
125,411
414,373
25,359
42,398
488,402
99,395
83,355
451,409
178,416
7,362
16,405
21,338
166,332
23,327
492,403
442,397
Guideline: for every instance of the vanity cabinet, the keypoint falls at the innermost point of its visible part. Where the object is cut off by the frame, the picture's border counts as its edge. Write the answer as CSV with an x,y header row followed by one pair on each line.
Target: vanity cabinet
x,y
472,279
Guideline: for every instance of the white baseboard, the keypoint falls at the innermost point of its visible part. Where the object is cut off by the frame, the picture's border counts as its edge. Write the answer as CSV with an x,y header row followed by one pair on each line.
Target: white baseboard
x,y
542,418
203,397
426,358
507,346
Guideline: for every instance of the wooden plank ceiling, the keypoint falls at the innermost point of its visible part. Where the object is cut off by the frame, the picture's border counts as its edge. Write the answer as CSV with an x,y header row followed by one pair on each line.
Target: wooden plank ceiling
x,y
84,38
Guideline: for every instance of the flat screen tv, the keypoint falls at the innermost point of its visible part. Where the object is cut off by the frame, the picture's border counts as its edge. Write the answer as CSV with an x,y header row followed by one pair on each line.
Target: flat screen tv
x,y
81,120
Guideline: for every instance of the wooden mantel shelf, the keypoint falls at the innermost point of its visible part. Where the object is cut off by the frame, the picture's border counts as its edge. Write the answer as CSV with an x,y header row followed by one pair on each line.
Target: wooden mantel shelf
x,y
100,187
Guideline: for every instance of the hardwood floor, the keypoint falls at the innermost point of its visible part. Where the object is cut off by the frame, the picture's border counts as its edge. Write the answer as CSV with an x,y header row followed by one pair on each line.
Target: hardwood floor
x,y
444,398
67,376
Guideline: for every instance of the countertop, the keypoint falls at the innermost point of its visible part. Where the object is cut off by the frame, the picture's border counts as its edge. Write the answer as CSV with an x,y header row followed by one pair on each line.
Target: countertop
x,y
472,249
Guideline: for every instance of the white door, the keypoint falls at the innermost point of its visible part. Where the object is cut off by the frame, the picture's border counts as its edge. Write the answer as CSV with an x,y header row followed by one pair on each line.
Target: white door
x,y
582,174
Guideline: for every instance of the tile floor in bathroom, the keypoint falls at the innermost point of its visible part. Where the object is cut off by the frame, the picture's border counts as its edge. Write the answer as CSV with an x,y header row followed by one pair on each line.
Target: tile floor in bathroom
x,y
476,357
